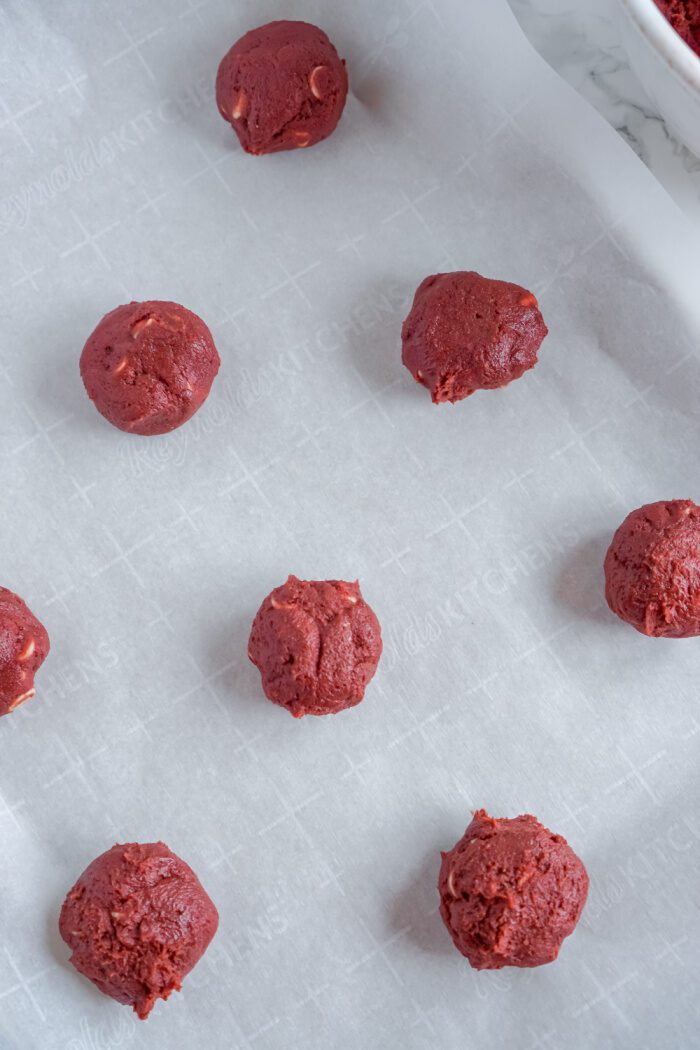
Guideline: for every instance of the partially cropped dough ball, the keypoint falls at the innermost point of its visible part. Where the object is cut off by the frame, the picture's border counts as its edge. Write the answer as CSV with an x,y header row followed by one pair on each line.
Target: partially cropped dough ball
x,y
652,569
137,921
316,644
24,645
282,86
148,367
466,332
684,16
510,892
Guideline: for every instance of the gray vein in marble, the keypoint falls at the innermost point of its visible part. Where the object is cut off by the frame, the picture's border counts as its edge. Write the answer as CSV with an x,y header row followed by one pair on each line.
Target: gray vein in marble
x,y
580,40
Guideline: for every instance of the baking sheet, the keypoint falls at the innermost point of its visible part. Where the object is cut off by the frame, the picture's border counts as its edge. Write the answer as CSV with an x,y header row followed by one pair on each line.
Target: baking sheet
x,y
477,532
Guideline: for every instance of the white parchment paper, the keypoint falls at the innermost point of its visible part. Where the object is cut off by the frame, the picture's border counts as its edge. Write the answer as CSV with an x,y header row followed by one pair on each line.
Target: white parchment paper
x,y
477,531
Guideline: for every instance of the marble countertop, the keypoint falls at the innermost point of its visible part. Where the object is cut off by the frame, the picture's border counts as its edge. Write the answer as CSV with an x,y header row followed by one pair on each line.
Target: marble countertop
x,y
580,39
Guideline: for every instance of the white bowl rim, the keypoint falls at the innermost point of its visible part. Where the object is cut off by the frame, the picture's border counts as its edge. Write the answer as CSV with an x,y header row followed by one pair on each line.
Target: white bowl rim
x,y
654,25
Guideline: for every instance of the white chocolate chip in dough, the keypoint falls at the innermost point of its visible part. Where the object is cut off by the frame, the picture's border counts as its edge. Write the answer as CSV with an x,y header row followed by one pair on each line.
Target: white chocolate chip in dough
x,y
240,107
21,699
138,326
350,597
28,650
315,81
276,604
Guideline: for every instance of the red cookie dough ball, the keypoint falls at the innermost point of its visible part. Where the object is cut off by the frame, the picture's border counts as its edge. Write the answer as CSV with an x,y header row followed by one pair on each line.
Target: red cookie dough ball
x,y
149,366
652,570
24,645
282,86
510,892
316,644
466,333
137,921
